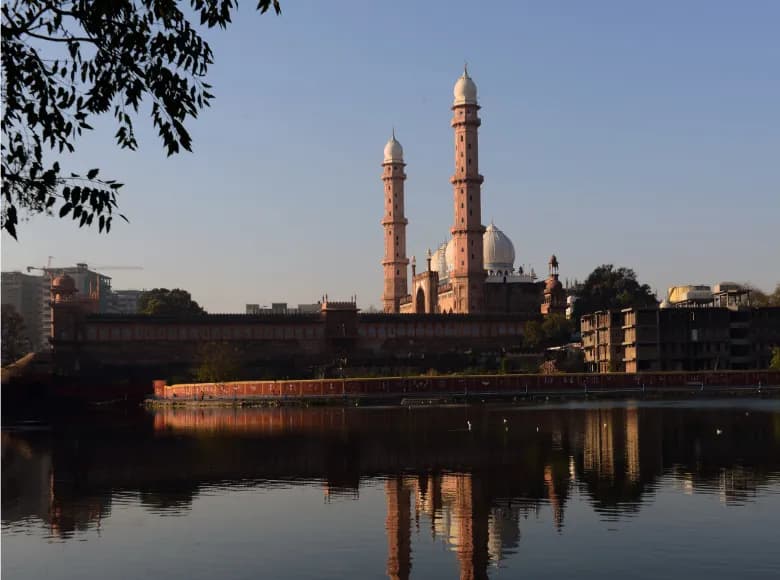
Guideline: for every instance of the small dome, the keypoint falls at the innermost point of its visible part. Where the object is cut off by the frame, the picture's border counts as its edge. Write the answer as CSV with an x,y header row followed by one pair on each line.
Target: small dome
x,y
64,284
497,250
394,153
465,91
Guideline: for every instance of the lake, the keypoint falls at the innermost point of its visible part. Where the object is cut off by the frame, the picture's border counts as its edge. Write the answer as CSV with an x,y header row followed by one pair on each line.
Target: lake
x,y
588,490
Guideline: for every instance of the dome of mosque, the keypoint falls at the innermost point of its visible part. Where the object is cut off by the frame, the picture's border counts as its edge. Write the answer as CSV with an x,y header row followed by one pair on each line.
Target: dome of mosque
x,y
497,250
465,91
394,153
449,256
439,261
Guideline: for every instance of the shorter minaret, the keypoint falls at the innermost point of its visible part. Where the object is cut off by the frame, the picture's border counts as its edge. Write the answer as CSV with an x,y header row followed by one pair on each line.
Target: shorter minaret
x,y
394,223
554,294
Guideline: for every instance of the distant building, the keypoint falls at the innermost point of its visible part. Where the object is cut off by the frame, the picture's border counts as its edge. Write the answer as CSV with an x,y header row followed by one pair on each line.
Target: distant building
x,y
89,285
26,293
282,308
723,295
704,336
125,301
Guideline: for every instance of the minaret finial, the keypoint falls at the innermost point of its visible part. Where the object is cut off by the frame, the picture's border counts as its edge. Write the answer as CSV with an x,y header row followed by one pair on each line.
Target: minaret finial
x,y
465,68
393,132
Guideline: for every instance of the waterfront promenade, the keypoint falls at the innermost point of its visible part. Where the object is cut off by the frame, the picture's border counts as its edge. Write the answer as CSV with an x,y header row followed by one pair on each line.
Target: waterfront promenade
x,y
427,388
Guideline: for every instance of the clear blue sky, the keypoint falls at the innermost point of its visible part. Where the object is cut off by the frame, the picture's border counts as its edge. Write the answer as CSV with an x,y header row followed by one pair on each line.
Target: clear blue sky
x,y
641,134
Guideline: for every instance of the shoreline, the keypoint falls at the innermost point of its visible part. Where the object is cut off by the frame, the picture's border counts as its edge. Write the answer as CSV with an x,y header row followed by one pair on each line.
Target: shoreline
x,y
411,400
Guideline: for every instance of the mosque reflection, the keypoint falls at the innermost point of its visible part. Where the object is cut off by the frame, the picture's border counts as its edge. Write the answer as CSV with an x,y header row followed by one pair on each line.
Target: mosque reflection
x,y
469,475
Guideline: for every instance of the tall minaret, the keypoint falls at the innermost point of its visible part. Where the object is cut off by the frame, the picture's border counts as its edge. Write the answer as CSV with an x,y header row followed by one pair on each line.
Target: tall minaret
x,y
394,222
468,278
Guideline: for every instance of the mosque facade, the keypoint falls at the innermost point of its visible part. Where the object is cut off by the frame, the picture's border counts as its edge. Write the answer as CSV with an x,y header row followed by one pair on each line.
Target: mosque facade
x,y
474,272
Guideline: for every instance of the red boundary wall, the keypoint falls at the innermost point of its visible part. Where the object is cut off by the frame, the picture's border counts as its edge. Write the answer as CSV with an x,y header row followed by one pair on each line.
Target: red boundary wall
x,y
473,385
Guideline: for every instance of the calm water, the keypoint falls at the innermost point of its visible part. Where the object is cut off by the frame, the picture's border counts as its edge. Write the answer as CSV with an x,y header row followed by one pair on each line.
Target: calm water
x,y
605,490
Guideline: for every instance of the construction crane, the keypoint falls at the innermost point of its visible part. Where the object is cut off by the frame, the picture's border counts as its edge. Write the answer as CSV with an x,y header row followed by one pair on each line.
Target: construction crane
x,y
49,270
46,269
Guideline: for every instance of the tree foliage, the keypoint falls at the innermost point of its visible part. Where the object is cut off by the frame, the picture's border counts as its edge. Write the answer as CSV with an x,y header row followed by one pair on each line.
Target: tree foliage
x,y
554,330
774,364
609,287
66,61
14,342
218,362
164,302
759,298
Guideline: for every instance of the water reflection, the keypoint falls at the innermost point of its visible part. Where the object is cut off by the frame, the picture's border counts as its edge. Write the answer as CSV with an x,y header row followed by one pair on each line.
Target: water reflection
x,y
468,475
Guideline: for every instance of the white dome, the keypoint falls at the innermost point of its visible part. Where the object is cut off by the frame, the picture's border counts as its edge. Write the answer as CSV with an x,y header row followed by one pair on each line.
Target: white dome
x,y
439,261
449,256
394,153
465,91
498,250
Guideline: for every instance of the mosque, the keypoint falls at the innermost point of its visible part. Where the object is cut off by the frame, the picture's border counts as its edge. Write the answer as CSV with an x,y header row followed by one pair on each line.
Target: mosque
x,y
474,272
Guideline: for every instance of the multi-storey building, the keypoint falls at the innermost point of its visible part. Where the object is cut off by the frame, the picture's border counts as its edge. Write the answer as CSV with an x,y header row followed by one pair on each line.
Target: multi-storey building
x,y
687,338
25,294
88,284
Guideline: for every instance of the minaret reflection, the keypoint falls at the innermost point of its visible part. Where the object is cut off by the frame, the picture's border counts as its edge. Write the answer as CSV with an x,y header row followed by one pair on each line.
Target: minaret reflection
x,y
398,526
460,513
553,496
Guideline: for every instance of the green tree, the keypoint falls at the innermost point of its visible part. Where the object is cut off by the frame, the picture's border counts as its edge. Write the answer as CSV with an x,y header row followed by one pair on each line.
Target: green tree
x,y
760,298
556,330
218,362
164,302
533,336
67,61
14,342
609,287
